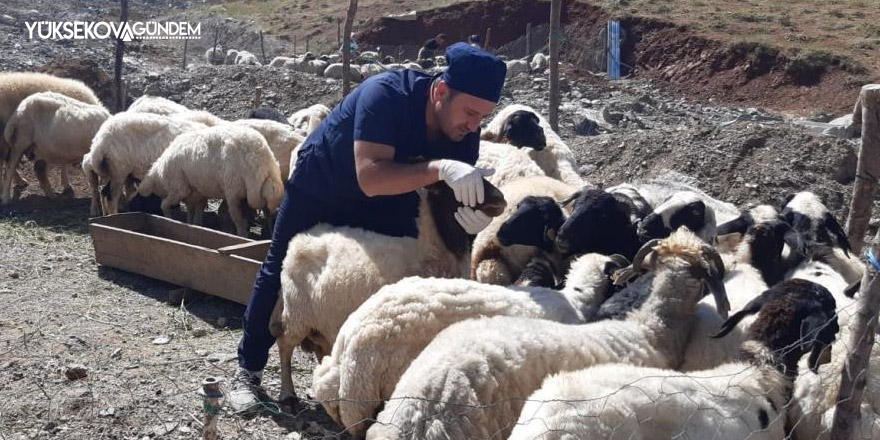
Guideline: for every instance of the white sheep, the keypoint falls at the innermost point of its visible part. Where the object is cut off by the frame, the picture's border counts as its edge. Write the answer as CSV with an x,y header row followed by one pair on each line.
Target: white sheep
x,y
246,58
744,399
517,67
15,87
684,208
156,105
50,128
306,120
495,263
510,163
658,190
213,56
231,56
472,379
377,342
329,271
229,161
539,62
200,116
279,61
807,214
282,140
315,67
556,158
335,71
368,70
123,150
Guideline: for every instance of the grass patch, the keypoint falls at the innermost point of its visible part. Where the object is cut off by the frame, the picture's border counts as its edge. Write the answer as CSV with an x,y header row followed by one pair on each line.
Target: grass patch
x,y
752,17
760,56
807,67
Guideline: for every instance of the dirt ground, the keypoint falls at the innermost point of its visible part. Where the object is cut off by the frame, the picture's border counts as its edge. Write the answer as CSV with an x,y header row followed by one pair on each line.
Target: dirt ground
x,y
92,352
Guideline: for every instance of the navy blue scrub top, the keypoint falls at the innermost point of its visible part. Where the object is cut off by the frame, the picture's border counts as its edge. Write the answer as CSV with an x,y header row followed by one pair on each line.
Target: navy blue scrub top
x,y
389,109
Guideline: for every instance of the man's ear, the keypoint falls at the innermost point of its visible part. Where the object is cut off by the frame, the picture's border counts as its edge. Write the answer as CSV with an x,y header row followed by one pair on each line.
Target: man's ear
x,y
441,91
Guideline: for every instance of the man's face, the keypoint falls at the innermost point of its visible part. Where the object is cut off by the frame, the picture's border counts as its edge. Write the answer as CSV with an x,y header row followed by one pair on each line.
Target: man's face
x,y
459,113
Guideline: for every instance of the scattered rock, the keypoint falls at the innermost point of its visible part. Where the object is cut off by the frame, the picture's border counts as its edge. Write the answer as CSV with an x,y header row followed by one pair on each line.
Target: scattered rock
x,y
162,340
117,354
221,322
14,275
75,372
294,436
199,332
108,412
586,127
6,291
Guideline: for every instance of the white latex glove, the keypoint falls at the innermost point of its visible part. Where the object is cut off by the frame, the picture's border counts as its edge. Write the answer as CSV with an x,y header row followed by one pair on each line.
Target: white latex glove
x,y
466,181
472,220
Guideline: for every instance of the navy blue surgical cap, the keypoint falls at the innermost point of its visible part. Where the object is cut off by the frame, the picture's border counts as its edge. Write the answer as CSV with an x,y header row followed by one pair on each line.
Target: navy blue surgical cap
x,y
474,71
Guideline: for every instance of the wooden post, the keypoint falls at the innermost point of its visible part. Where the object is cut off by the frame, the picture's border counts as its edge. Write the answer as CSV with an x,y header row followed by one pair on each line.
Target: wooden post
x,y
486,42
258,96
263,49
185,47
528,39
553,111
346,46
214,50
868,169
847,415
118,86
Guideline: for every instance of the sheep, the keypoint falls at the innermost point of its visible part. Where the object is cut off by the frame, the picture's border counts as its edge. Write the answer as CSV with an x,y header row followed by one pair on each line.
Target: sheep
x,y
214,56
315,67
228,161
246,58
510,163
279,61
156,105
330,271
517,67
50,128
494,259
125,147
539,62
599,222
231,56
743,399
683,208
369,55
15,87
267,113
470,381
555,158
729,233
806,213
335,71
657,190
200,116
368,70
281,137
815,396
638,206
377,342
306,120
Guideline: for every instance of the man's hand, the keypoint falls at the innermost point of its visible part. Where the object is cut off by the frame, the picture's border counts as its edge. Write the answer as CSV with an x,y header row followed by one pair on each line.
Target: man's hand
x,y
471,220
466,181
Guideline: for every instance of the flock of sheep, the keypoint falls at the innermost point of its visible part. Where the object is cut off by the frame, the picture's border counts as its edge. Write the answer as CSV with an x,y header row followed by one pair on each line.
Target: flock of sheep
x,y
365,65
156,147
579,312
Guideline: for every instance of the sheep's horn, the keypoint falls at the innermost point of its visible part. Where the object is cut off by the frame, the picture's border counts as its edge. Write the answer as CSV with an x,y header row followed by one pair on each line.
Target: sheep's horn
x,y
619,260
625,275
715,281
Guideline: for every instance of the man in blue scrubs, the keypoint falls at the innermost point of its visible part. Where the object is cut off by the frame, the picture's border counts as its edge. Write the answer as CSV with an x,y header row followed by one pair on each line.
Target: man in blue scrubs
x,y
397,132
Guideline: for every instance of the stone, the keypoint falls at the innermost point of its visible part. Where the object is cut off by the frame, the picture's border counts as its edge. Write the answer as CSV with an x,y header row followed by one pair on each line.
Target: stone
x,y
162,340
75,372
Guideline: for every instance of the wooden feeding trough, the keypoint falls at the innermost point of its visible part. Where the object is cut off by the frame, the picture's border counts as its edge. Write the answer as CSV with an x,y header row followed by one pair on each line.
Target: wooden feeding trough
x,y
202,259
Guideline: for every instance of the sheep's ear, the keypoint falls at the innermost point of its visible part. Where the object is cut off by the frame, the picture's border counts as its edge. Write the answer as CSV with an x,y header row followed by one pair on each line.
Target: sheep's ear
x,y
784,201
853,289
835,228
750,309
795,240
740,224
568,200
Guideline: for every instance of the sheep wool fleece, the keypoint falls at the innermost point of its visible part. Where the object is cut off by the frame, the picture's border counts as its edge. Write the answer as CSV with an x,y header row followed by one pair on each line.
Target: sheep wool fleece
x,y
389,109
